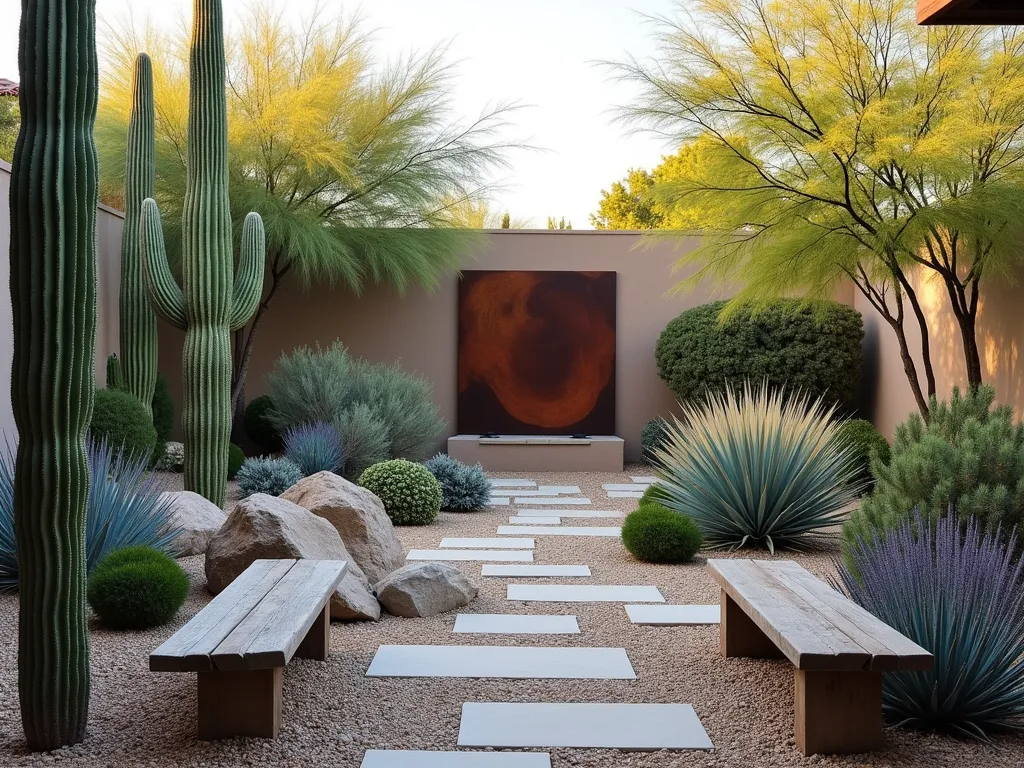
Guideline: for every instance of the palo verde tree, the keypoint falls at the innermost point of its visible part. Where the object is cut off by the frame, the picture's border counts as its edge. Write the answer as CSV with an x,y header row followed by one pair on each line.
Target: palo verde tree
x,y
841,141
53,296
351,162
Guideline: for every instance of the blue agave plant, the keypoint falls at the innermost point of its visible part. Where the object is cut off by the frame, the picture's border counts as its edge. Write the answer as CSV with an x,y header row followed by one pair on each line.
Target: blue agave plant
x,y
314,447
464,488
124,509
959,595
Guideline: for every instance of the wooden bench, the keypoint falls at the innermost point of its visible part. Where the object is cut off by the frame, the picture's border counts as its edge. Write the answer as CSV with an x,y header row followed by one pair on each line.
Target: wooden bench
x,y
772,609
240,643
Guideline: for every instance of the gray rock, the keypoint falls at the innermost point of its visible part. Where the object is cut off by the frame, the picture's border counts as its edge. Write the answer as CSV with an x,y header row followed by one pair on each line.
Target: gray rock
x,y
268,527
195,517
358,516
424,589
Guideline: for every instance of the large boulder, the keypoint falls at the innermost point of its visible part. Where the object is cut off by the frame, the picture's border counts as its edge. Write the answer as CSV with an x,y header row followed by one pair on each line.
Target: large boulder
x,y
268,527
195,518
424,589
357,515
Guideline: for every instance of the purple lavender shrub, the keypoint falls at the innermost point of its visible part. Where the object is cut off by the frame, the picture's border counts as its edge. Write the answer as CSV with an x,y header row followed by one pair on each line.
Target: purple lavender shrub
x,y
959,595
314,447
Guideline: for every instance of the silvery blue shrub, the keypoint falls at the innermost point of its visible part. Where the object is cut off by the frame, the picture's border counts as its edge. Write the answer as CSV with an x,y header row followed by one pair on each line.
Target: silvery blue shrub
x,y
270,476
314,447
464,488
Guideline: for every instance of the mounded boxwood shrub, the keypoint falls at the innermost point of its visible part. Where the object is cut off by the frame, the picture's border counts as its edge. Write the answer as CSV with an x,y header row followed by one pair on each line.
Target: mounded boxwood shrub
x,y
259,427
120,419
652,437
814,350
464,488
655,534
866,442
270,476
410,494
236,457
137,588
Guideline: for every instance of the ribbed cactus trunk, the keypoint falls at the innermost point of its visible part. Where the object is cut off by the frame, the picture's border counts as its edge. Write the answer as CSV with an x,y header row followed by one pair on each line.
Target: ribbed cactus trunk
x,y
138,321
53,293
212,301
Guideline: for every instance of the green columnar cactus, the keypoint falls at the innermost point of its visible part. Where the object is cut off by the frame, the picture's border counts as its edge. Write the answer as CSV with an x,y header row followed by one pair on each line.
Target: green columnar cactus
x,y
53,293
138,321
115,376
207,305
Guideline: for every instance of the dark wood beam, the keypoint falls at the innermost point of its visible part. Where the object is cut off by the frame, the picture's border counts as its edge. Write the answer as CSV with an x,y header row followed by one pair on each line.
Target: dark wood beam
x,y
970,11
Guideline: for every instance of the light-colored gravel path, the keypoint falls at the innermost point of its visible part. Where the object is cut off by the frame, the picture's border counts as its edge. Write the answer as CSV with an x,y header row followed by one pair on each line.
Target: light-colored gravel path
x,y
332,712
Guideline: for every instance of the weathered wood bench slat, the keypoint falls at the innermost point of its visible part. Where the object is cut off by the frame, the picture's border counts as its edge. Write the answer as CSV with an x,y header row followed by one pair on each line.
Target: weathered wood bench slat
x,y
270,634
189,649
786,619
890,649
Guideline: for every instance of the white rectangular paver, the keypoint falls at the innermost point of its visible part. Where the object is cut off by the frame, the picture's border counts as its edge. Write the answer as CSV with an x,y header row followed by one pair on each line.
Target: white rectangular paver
x,y
472,555
608,726
501,661
584,593
535,571
531,492
571,512
552,530
674,615
515,624
499,501
553,501
409,758
456,543
535,520
649,479
625,494
626,486
558,490
511,482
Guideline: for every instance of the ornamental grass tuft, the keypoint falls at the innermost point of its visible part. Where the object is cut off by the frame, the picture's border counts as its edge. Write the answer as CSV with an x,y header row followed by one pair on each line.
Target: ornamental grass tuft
x,y
314,447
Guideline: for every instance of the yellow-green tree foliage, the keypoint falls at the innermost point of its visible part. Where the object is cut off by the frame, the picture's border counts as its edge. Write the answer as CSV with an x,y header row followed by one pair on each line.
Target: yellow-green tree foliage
x,y
841,141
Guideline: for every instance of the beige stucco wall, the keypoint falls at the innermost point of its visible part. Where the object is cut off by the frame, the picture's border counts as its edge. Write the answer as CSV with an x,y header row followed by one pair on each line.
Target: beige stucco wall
x,y
419,330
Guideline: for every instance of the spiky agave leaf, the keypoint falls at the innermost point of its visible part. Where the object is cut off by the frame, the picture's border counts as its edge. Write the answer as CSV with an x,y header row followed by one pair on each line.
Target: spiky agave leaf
x,y
957,593
763,468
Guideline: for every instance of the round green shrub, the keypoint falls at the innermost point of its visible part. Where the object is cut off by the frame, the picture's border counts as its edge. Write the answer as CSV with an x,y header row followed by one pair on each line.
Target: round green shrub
x,y
120,419
865,441
410,494
260,428
137,588
813,349
235,459
655,534
652,437
653,495
163,418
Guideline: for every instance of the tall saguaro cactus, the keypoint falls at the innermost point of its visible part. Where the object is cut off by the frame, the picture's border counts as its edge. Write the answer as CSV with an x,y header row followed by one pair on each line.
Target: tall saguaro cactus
x,y
53,293
208,305
138,321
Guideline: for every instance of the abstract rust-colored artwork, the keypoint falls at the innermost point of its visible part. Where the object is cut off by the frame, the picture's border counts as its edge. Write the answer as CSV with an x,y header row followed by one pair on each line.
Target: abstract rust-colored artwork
x,y
537,353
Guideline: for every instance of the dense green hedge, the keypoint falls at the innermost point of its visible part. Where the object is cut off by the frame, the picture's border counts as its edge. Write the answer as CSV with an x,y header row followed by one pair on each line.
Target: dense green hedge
x,y
815,349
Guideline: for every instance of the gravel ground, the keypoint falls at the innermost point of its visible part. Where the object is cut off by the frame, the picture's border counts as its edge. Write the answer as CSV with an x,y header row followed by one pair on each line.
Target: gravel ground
x,y
332,713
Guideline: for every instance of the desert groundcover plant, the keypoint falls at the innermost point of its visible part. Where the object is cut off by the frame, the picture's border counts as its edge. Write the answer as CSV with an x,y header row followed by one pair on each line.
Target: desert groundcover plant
x,y
957,592
760,468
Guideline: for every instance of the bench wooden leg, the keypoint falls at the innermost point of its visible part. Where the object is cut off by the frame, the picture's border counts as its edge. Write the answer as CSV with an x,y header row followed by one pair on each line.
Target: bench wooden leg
x,y
742,637
838,712
317,642
240,704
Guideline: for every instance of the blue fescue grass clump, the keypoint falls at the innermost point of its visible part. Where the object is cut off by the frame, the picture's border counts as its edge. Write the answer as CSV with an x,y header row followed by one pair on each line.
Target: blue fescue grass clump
x,y
270,476
124,509
464,488
957,593
314,447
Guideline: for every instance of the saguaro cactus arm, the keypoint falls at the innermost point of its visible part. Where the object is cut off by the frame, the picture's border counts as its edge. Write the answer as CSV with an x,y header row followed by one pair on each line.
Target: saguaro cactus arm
x,y
248,288
166,297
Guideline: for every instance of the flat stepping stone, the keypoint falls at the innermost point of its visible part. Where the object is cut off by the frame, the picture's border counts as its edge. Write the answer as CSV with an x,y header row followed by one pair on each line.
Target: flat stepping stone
x,y
409,758
501,661
515,624
649,479
511,482
553,501
538,520
501,501
535,571
557,490
534,492
584,593
674,615
601,726
626,487
472,555
571,513
593,530
456,543
625,494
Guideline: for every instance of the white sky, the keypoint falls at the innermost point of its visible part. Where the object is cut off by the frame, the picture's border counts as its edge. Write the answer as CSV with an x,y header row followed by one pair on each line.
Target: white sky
x,y
537,52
